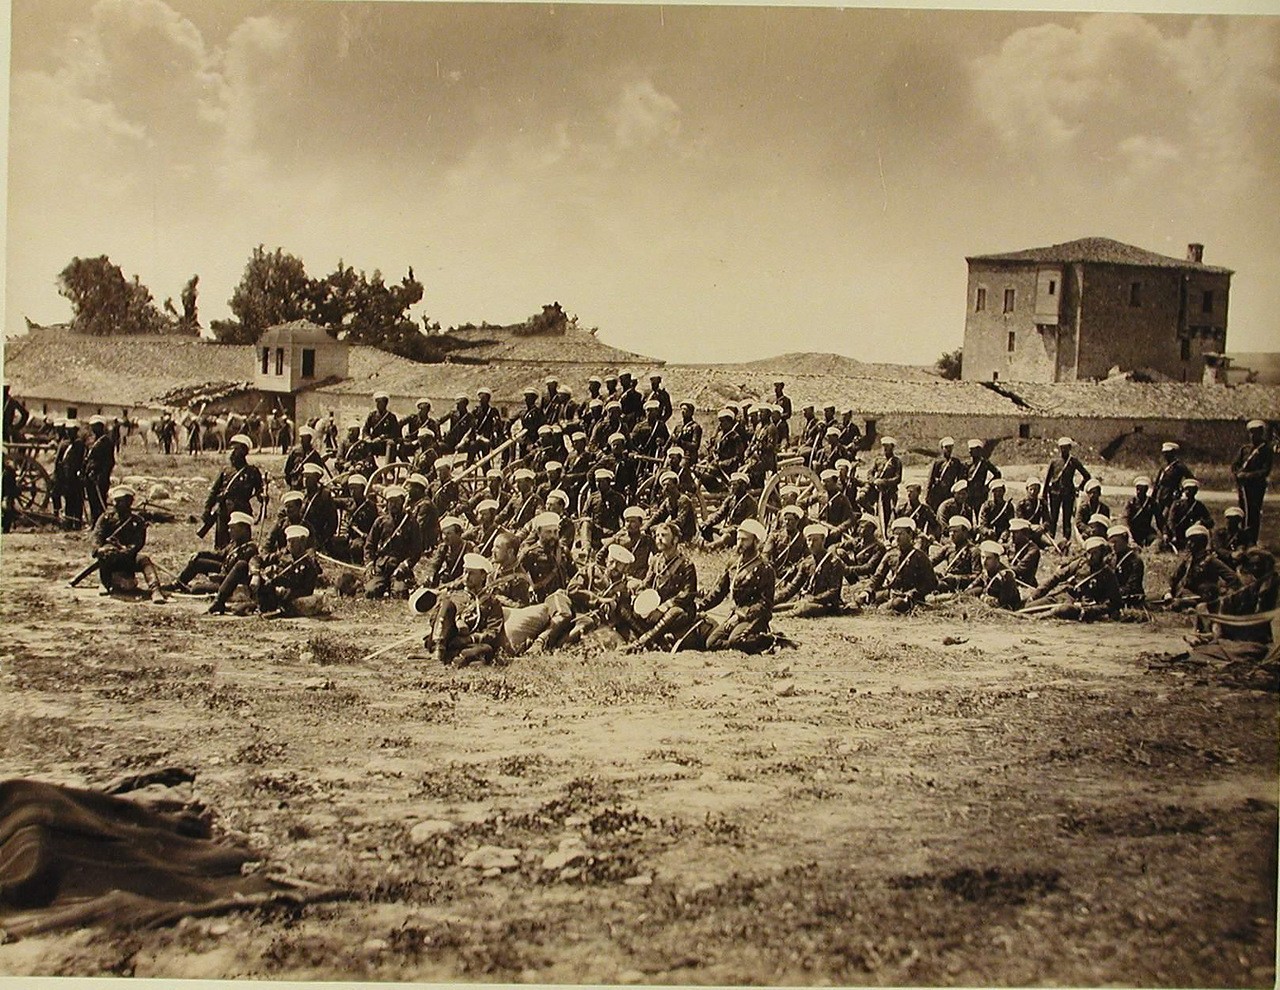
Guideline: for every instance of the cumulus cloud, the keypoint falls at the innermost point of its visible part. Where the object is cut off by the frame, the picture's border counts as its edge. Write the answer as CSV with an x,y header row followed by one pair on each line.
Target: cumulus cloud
x,y
1128,91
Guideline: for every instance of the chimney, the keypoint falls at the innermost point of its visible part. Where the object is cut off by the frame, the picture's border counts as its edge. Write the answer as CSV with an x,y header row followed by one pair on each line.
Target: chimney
x,y
1195,252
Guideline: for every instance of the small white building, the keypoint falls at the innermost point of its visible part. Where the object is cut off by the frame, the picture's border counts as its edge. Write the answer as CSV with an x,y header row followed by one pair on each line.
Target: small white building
x,y
294,356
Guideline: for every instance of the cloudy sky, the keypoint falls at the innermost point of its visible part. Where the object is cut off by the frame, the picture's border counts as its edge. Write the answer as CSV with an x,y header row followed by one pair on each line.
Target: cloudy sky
x,y
700,182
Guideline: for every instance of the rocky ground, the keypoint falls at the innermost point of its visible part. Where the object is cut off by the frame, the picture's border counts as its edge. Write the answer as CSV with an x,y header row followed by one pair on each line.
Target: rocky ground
x,y
1035,803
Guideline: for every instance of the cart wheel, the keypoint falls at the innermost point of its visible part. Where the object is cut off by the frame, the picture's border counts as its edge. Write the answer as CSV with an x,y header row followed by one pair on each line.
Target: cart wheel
x,y
805,478
33,484
394,473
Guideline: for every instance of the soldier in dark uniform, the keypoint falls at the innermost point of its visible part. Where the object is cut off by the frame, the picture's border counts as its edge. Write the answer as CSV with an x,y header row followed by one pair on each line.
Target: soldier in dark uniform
x,y
958,560
659,395
279,578
1140,513
996,513
228,566
484,534
547,561
416,420
1130,569
461,427
672,576
635,537
100,461
980,473
1024,551
957,505
600,592
304,453
721,528
604,508
1200,575
358,516
1090,507
850,435
1186,511
118,538
828,452
487,426
523,504
675,506
1230,540
233,490
725,448
783,417
837,512
609,424
552,402
1252,468
885,477
630,399
814,588
381,426
786,546
863,553
1061,485
995,583
919,512
688,434
290,514
1168,484
467,623
420,505
904,575
749,583
68,476
1089,583
392,549
810,432
1032,507
15,417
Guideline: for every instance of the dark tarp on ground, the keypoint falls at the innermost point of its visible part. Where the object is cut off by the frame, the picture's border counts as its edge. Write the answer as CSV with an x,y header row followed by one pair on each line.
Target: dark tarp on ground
x,y
71,857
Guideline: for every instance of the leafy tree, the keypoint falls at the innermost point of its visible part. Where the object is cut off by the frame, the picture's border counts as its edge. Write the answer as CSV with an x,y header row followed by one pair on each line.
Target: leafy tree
x,y
274,289
948,364
104,302
190,318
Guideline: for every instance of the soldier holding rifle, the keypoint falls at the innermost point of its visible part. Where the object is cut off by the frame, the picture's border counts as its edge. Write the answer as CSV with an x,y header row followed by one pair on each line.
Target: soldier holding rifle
x,y
1251,469
118,538
233,490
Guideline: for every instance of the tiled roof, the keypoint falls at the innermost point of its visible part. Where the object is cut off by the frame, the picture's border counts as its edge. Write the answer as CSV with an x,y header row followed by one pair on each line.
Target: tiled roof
x,y
54,363
1123,399
807,363
1099,250
301,331
574,346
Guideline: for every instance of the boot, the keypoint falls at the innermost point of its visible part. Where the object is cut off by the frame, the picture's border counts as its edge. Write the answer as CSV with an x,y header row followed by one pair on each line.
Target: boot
x,y
666,623
153,582
556,631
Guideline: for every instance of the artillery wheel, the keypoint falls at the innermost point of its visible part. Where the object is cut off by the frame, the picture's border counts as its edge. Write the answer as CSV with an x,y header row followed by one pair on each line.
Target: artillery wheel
x,y
394,473
805,478
34,486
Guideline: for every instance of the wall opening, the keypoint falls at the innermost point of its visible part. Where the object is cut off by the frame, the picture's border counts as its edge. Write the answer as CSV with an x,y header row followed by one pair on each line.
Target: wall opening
x,y
1024,431
1135,293
279,360
980,300
1010,296
266,360
308,362
1012,338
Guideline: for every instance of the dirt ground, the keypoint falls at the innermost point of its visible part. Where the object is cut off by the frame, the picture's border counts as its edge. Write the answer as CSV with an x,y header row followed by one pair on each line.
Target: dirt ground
x,y
1040,803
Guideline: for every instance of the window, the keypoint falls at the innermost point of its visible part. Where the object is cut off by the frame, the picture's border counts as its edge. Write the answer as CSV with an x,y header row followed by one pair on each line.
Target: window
x,y
1008,300
279,360
1206,302
1186,348
1011,340
308,362
266,360
980,302
1024,431
869,430
995,376
1135,293
1053,287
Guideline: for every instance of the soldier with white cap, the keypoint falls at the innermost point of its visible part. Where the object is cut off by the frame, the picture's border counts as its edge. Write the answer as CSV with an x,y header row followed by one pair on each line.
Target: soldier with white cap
x,y
786,546
1187,510
996,513
69,477
919,512
837,511
466,622
444,491
358,513
228,566
304,453
1085,586
1033,507
726,446
484,534
749,583
995,583
1130,569
885,477
604,507
1064,476
420,505
100,461
957,504
524,503
118,538
444,564
461,430
672,581
412,424
814,588
392,549
1024,551
1092,505
381,427
980,473
1251,469
904,576
487,428
600,592
675,506
494,489
279,578
233,490
721,527
1168,481
1140,512
290,514
423,456
957,560
1200,577
552,402
1230,541
862,554
547,560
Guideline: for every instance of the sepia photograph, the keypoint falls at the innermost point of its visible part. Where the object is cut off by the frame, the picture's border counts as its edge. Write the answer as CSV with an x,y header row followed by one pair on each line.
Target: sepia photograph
x,y
637,494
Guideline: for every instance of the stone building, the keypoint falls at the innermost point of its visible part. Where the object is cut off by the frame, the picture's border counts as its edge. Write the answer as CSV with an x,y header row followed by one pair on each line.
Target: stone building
x,y
1081,310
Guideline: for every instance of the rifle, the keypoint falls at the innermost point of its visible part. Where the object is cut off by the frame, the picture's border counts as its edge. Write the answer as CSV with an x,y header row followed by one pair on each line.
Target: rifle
x,y
96,563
